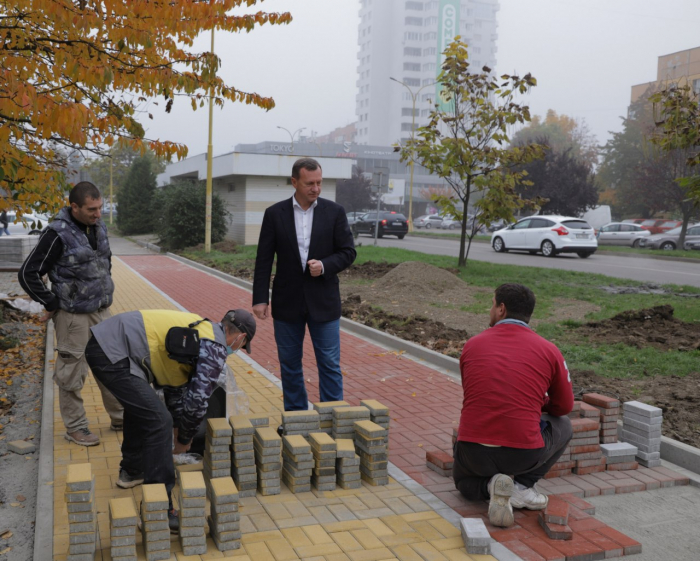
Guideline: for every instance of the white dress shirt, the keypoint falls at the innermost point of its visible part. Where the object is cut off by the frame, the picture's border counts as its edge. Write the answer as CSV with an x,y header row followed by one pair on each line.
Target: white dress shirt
x,y
303,221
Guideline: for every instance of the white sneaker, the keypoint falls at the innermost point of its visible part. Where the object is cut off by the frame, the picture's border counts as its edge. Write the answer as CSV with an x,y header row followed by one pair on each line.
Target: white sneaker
x,y
500,510
528,497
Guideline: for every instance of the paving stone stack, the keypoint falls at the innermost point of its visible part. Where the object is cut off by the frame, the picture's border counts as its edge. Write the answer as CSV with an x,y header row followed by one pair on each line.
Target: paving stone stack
x,y
554,519
641,426
192,518
224,520
564,465
217,449
619,456
575,410
344,420
297,463
268,460
370,444
258,419
609,408
154,522
476,537
440,462
243,469
325,413
584,447
324,450
300,422
123,520
82,518
378,414
347,465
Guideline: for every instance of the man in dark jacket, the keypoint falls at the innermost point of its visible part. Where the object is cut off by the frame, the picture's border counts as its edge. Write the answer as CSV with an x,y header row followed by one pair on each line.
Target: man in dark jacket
x,y
313,243
74,251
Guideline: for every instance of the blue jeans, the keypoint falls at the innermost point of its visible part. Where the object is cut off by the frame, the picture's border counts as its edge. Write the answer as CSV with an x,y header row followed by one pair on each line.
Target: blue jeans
x,y
5,230
325,337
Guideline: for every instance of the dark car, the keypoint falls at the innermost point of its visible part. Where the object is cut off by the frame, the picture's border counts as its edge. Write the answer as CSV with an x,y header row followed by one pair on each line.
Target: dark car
x,y
390,224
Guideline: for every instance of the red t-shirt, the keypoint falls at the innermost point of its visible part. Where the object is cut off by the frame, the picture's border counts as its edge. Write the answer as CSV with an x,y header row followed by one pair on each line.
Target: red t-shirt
x,y
506,372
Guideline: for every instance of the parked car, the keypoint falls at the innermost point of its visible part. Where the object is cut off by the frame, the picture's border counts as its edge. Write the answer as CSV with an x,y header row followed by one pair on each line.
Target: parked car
x,y
35,223
428,221
619,233
390,224
693,245
633,220
450,223
669,240
549,235
659,225
353,216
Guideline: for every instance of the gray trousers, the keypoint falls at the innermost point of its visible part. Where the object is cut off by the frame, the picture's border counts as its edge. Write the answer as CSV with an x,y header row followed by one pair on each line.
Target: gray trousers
x,y
71,369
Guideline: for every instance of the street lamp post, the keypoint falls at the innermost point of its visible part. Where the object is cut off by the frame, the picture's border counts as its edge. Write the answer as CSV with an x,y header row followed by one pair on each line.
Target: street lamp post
x,y
292,135
414,96
210,149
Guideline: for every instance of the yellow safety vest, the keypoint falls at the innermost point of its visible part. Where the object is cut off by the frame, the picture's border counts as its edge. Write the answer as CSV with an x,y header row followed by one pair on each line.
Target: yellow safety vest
x,y
169,372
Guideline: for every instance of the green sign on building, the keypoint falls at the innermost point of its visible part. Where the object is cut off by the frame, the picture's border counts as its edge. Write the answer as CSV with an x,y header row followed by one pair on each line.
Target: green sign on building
x,y
448,29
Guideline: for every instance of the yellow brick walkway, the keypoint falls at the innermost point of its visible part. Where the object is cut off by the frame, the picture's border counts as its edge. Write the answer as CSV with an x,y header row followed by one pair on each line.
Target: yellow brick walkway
x,y
366,524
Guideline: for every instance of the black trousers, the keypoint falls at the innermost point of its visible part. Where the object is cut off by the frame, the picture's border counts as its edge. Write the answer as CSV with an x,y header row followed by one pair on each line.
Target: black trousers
x,y
148,426
475,464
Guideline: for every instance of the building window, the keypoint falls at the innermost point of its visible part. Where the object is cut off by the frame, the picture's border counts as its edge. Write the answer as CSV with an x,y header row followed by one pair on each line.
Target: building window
x,y
431,21
407,111
411,66
428,81
429,51
427,97
414,21
411,81
411,36
696,86
429,67
414,6
430,36
407,127
406,96
483,11
411,51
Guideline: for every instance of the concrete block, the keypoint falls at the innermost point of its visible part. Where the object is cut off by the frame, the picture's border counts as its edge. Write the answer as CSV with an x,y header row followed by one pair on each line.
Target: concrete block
x,y
356,412
474,532
193,502
155,497
267,437
326,407
308,416
642,409
219,427
241,425
375,408
122,513
78,476
618,449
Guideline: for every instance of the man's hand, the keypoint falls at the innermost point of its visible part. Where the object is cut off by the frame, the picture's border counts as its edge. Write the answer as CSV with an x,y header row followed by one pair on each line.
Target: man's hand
x,y
260,311
48,315
315,267
179,448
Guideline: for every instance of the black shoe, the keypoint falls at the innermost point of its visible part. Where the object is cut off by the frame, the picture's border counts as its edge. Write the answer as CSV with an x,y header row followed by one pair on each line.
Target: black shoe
x,y
173,521
127,481
280,430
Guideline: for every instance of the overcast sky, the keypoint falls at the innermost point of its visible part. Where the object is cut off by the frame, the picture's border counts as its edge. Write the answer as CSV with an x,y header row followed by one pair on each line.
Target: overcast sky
x,y
585,54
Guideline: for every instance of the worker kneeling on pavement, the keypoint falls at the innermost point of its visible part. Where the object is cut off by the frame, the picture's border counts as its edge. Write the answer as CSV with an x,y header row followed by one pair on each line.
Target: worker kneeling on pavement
x,y
517,393
177,351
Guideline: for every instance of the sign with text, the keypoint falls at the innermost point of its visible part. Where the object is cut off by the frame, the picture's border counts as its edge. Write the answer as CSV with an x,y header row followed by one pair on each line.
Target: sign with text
x,y
448,29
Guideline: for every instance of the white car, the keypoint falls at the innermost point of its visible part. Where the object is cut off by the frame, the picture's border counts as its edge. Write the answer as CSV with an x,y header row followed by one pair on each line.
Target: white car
x,y
549,235
35,223
622,233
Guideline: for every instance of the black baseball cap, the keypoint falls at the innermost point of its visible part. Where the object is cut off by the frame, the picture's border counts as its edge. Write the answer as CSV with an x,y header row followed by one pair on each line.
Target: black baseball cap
x,y
245,323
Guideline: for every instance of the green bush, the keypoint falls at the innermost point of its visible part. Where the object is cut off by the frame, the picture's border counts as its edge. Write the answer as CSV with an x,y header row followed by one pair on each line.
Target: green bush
x,y
179,212
136,197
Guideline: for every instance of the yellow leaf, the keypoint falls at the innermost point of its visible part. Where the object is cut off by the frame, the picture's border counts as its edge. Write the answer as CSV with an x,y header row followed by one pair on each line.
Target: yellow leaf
x,y
413,394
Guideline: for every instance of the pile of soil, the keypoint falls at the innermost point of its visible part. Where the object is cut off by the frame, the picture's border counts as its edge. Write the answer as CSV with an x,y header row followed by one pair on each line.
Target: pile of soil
x,y
678,397
434,335
653,327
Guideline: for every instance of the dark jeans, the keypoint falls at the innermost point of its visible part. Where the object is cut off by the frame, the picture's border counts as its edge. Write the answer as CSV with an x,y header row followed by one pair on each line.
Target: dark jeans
x,y
325,337
475,464
148,426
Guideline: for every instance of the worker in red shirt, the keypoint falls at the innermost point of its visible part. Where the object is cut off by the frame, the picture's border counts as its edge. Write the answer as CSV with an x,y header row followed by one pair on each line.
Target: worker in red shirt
x,y
517,393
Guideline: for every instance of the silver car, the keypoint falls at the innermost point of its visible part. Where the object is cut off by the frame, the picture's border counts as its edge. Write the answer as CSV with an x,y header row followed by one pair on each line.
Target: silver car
x,y
669,240
428,221
33,223
622,233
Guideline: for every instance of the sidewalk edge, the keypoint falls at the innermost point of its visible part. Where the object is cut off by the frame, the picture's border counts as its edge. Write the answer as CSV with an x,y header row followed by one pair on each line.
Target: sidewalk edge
x,y
432,358
43,526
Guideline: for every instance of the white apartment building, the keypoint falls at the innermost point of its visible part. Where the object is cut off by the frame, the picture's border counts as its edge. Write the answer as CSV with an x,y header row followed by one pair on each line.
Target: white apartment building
x,y
404,39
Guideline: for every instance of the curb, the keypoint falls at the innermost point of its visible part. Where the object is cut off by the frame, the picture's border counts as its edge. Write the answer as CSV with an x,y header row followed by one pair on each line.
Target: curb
x,y
673,451
147,245
43,525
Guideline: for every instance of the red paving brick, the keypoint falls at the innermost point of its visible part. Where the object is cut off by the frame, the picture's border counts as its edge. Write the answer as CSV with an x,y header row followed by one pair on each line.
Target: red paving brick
x,y
425,409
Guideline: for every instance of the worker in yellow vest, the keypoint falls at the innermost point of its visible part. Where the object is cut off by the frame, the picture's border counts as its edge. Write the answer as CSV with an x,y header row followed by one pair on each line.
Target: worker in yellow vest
x,y
182,353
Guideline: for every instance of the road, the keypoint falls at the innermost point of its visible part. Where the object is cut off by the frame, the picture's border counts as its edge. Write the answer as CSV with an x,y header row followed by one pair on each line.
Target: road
x,y
636,268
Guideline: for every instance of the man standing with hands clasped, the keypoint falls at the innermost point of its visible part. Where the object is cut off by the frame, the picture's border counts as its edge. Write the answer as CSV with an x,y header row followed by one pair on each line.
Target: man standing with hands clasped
x,y
313,243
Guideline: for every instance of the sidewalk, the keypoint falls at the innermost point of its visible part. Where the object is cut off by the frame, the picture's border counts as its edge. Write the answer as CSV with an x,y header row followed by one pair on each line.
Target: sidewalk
x,y
407,520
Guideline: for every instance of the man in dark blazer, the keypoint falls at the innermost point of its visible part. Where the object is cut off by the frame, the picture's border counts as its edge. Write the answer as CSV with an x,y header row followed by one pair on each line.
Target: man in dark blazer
x,y
312,241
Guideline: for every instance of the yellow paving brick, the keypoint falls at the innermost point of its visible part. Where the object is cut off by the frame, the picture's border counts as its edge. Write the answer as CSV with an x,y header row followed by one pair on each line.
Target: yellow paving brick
x,y
211,553
444,527
401,539
405,553
378,528
462,555
296,537
337,557
258,551
261,537
281,550
317,534
448,543
416,516
370,554
367,539
428,552
346,541
277,510
316,550
345,526
182,557
397,523
425,529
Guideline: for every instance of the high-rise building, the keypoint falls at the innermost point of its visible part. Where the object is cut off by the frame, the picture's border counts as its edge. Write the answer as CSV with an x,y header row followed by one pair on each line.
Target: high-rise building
x,y
404,40
681,67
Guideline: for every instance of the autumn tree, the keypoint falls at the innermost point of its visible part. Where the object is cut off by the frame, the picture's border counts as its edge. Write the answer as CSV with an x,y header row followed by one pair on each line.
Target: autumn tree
x,y
355,194
677,134
74,76
563,133
466,140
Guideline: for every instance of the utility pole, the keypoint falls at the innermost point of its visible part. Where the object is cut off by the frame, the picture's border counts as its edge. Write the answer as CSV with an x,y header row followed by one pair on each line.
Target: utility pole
x,y
210,150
